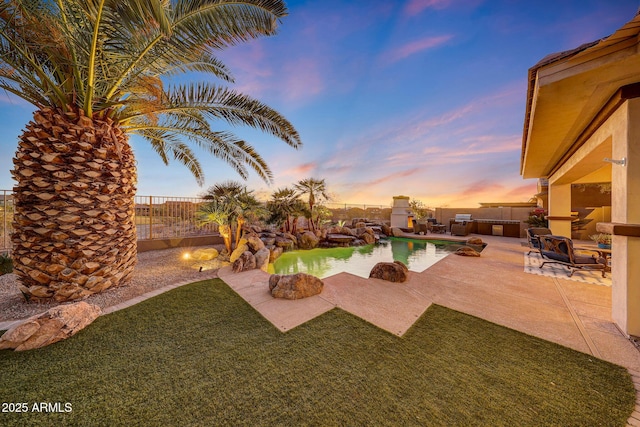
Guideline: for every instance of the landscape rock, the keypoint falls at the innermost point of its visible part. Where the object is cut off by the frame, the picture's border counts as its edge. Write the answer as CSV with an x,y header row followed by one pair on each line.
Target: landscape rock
x,y
368,238
254,243
284,242
467,251
246,261
308,240
294,286
396,232
206,254
237,252
340,238
476,241
274,253
268,240
262,259
55,324
290,237
390,271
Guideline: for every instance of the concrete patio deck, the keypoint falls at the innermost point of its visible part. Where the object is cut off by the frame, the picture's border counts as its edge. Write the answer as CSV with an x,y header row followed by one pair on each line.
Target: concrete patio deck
x,y
493,287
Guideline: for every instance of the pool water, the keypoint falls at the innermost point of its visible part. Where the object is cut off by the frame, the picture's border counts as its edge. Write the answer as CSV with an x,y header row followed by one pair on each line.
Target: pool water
x,y
417,255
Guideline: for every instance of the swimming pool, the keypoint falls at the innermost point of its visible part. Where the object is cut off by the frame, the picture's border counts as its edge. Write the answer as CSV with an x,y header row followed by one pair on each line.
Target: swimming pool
x,y
417,255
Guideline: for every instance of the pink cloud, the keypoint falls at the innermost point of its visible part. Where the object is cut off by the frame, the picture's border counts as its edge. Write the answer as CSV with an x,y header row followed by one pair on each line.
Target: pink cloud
x,y
491,144
302,169
523,192
414,47
394,176
414,7
480,187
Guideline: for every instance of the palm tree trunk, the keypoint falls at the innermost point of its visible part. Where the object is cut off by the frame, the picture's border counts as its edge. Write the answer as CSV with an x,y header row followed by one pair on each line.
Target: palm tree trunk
x,y
312,226
241,222
74,222
225,232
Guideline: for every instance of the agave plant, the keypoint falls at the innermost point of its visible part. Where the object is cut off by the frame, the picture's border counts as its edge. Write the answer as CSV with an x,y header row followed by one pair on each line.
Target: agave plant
x,y
96,71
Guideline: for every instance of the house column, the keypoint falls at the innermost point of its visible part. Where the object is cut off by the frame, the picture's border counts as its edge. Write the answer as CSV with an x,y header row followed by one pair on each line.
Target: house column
x,y
560,209
625,215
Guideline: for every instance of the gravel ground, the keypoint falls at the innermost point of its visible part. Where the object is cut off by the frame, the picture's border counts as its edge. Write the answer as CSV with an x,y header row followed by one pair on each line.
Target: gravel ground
x,y
155,269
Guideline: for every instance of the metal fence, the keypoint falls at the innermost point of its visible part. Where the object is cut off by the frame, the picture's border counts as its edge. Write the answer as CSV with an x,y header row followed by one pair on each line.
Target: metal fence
x,y
157,217
160,217
6,220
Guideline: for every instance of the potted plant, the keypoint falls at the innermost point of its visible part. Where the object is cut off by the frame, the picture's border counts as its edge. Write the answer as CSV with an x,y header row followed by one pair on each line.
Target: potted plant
x,y
603,240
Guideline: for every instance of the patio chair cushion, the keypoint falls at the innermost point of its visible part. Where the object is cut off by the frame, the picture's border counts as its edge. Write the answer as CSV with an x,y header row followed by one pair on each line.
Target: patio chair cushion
x,y
585,259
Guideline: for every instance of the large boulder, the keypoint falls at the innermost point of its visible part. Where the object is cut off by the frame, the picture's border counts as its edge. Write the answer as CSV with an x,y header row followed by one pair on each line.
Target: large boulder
x,y
262,259
390,271
246,261
237,252
205,254
368,238
274,253
284,242
386,229
308,240
396,232
268,240
294,286
254,243
366,234
57,323
290,237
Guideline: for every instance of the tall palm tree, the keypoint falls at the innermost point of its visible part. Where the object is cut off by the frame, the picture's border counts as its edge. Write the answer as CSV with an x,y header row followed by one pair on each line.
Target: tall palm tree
x,y
316,190
95,71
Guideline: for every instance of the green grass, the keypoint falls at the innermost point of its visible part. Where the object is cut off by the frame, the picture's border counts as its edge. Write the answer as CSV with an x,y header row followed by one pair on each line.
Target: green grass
x,y
200,355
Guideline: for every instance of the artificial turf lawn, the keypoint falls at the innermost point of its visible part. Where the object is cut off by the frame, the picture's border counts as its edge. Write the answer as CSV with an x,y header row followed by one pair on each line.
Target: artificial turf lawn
x,y
200,355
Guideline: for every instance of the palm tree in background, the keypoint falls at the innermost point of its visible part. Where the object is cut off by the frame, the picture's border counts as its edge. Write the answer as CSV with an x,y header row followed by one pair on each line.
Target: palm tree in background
x,y
285,207
94,70
316,191
232,205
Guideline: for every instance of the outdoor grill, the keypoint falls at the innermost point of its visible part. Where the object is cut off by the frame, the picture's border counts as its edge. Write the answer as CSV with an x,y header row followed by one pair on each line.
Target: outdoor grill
x,y
461,225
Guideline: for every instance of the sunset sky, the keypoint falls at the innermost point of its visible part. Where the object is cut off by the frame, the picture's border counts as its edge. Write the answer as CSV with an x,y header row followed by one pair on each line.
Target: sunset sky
x,y
423,98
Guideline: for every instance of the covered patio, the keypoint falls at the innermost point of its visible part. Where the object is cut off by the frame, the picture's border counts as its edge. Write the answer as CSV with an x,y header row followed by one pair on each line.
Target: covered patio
x,y
582,125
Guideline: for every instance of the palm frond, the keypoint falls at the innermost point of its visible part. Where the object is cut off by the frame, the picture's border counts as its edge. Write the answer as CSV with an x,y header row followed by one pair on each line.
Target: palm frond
x,y
228,105
166,143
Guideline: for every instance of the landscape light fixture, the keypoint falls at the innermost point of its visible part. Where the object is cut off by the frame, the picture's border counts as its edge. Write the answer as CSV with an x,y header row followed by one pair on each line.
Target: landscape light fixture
x,y
622,161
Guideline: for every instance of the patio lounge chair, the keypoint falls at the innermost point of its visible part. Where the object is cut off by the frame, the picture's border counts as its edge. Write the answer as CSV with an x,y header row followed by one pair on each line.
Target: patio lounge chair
x,y
532,237
559,250
420,226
